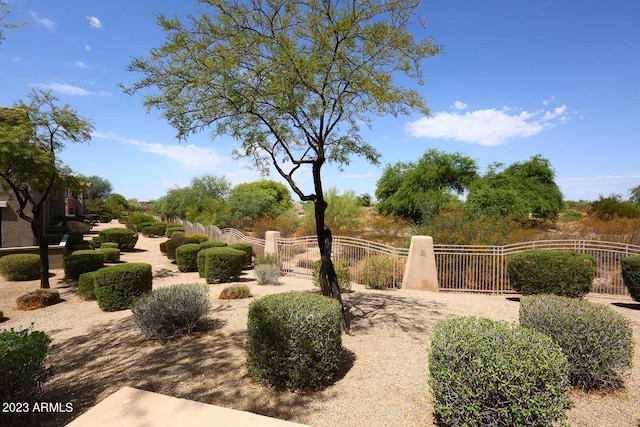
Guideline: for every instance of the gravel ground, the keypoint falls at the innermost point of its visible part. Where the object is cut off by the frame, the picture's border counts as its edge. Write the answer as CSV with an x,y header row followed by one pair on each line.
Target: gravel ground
x,y
383,381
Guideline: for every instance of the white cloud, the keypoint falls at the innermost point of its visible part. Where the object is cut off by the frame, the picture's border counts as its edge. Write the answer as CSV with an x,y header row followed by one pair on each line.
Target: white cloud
x,y
486,127
87,47
459,105
47,23
94,22
188,156
69,89
549,101
80,64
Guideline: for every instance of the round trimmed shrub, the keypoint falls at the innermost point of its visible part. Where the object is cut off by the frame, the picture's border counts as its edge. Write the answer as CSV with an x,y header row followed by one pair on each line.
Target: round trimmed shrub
x,y
139,220
222,265
563,273
187,257
294,340
20,266
110,254
82,261
198,238
172,311
174,243
597,341
485,372
87,286
111,245
213,244
631,275
247,248
342,271
173,228
126,239
119,286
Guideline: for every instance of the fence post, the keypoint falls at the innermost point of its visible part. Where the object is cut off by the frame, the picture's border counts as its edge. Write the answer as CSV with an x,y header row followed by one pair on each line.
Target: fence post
x,y
271,242
420,272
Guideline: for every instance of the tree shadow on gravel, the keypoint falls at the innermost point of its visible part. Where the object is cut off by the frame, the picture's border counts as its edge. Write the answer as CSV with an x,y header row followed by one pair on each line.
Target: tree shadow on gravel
x,y
208,366
412,316
630,306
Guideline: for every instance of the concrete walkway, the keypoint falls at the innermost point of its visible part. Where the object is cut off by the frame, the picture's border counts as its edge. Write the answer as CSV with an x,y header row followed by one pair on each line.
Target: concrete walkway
x,y
130,407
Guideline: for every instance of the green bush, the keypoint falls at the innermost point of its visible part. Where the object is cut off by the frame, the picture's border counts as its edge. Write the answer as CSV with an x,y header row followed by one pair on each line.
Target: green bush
x,y
23,370
597,341
268,259
187,257
484,372
342,271
175,242
110,254
20,266
126,239
223,265
117,287
139,218
247,249
154,229
198,238
213,244
87,285
82,261
631,275
294,340
563,273
106,218
111,245
172,228
172,311
381,271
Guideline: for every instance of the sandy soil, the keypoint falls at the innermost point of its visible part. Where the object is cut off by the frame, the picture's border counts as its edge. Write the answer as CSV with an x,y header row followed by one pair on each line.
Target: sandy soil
x,y
383,381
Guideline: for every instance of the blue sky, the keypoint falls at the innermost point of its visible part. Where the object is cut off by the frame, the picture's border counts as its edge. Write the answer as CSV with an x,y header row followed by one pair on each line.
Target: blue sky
x,y
519,78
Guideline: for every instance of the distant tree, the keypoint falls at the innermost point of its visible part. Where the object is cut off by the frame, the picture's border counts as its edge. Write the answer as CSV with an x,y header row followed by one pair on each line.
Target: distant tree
x,y
31,136
634,195
100,188
417,191
193,200
292,81
4,12
613,206
524,189
259,199
117,204
364,200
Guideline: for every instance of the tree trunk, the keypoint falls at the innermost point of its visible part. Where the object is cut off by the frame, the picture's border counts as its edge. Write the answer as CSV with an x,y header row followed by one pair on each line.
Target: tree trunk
x,y
43,251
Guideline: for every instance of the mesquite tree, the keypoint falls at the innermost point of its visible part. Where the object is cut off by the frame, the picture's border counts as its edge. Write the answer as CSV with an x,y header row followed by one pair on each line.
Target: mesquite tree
x,y
31,134
291,80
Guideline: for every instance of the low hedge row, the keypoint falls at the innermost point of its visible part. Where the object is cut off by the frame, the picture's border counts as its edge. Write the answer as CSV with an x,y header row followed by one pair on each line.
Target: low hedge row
x,y
126,239
82,261
20,267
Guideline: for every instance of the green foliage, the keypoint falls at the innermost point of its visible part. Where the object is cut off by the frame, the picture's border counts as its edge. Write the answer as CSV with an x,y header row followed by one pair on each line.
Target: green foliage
x,y
484,372
112,245
202,254
342,272
138,218
247,248
417,191
608,208
187,256
344,215
268,259
172,311
117,287
110,254
259,199
597,341
23,370
223,265
235,292
294,340
381,271
202,195
20,267
561,273
267,274
631,275
100,187
82,261
154,229
198,238
213,244
175,242
524,189
116,204
87,285
126,239
172,228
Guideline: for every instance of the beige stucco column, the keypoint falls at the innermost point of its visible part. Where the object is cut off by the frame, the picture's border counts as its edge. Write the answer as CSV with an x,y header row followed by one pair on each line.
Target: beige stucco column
x,y
271,242
420,272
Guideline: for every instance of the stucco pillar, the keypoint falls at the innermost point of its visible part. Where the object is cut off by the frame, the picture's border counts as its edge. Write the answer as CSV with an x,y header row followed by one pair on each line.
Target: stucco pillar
x,y
271,242
420,271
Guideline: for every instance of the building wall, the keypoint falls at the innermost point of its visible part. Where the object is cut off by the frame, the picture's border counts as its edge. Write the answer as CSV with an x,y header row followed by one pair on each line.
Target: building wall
x,y
15,231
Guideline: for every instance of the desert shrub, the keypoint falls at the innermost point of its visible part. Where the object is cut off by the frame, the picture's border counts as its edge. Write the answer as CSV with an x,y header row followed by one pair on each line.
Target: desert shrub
x,y
173,228
126,239
213,244
106,218
20,266
561,273
235,292
597,341
631,275
78,226
342,271
187,256
23,369
267,274
294,340
223,264
198,238
117,287
381,271
87,286
172,311
247,248
110,254
37,299
139,218
154,229
485,372
111,245
82,262
268,259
